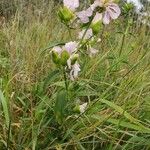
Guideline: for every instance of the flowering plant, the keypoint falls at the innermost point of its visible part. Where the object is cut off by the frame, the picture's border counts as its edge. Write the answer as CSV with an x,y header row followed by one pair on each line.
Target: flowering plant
x,y
89,21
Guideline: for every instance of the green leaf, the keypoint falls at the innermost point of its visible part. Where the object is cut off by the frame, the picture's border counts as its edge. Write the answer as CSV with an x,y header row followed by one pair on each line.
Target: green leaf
x,y
139,142
126,114
60,105
5,108
50,78
121,123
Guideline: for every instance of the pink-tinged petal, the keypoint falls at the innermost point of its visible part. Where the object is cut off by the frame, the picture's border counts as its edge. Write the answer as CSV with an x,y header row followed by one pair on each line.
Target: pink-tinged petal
x,y
97,17
89,12
114,11
106,17
76,68
57,49
74,72
71,4
112,14
70,47
88,35
97,3
82,15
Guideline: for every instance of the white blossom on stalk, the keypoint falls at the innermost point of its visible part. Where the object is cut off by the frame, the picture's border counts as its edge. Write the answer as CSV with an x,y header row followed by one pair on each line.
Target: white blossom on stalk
x,y
111,10
74,71
71,4
57,49
97,17
97,3
70,47
67,57
82,107
85,15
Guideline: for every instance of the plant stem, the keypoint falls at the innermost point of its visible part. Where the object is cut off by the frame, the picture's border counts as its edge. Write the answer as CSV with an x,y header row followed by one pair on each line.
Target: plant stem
x,y
8,135
69,30
66,82
122,43
85,32
124,37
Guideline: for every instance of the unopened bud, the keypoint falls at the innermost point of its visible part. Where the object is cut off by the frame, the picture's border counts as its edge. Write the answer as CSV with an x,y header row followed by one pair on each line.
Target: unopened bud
x,y
76,109
96,27
55,57
64,57
65,14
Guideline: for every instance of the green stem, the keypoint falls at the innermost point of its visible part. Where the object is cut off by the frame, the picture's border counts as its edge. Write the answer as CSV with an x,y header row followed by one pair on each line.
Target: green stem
x,y
122,44
124,37
69,30
66,82
85,32
8,135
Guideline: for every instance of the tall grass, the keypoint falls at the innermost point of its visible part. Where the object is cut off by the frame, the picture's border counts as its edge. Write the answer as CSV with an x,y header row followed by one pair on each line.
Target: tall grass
x,y
116,87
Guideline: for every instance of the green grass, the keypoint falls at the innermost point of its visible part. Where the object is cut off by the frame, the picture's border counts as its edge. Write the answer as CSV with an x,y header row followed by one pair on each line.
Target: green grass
x,y
117,88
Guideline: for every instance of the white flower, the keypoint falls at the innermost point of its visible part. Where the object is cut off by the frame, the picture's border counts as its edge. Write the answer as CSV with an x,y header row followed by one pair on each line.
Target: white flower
x,y
97,17
70,47
71,4
85,15
57,49
111,11
74,71
82,107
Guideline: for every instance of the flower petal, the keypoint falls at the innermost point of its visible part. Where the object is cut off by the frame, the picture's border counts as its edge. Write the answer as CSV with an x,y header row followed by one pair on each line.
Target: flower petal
x,y
57,49
97,17
83,16
70,47
71,4
114,11
106,17
89,12
74,72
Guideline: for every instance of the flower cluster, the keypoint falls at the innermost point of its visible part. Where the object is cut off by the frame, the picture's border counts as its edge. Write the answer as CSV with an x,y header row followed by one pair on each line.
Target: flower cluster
x,y
90,20
66,56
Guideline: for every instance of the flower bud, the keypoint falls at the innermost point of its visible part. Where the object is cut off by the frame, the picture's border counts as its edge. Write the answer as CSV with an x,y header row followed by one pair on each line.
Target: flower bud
x,y
96,27
55,57
76,109
64,57
65,14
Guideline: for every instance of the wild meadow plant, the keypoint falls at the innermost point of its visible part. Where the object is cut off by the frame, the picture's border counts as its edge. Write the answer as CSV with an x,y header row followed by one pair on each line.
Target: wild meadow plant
x,y
92,90
90,21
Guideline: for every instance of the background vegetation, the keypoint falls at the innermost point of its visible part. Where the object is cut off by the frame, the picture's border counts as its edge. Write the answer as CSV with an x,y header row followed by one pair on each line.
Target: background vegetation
x,y
116,84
